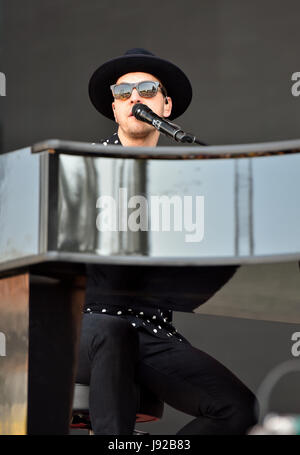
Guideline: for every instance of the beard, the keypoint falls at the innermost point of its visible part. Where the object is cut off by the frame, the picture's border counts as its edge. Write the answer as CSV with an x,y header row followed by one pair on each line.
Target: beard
x,y
138,129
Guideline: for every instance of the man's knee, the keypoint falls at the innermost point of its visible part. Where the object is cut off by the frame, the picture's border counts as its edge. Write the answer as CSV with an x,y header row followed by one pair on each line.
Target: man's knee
x,y
245,417
244,414
238,414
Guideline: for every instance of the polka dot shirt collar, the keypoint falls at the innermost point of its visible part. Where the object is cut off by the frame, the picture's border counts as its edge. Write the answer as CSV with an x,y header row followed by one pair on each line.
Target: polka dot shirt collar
x,y
113,140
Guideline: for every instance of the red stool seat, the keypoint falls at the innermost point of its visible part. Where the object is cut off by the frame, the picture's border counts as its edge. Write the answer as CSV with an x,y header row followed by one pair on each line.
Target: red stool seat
x,y
150,408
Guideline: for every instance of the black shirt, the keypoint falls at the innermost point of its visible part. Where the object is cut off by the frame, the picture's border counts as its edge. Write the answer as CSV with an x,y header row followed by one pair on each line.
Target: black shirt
x,y
125,291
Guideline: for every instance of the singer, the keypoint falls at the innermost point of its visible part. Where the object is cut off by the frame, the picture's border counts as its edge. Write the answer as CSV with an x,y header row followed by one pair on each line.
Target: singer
x,y
125,341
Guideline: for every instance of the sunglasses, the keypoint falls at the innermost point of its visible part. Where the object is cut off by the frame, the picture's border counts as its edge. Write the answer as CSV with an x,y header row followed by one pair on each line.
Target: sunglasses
x,y
146,89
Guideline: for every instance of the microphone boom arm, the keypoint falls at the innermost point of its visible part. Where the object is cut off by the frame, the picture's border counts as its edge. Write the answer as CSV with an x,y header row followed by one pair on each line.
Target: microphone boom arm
x,y
145,114
181,136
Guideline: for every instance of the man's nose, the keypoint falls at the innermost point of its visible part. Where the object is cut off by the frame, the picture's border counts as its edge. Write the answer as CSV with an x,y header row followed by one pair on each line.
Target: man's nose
x,y
135,97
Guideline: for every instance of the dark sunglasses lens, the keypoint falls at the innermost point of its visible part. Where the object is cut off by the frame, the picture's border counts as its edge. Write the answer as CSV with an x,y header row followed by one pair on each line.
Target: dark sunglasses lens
x,y
147,89
122,91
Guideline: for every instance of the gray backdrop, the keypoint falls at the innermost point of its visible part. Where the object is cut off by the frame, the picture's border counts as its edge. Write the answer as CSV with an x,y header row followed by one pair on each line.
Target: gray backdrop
x,y
239,56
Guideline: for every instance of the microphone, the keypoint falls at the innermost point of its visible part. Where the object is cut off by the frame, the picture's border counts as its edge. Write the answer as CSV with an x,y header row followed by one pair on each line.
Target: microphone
x,y
145,114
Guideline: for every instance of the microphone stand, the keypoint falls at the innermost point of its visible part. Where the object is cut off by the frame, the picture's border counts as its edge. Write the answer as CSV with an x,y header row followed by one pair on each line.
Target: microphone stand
x,y
181,136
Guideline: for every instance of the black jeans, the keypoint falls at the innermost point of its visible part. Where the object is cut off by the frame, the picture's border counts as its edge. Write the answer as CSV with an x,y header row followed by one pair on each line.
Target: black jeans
x,y
115,357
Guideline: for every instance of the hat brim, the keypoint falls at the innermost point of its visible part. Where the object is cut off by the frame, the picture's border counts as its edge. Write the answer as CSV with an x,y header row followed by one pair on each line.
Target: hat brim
x,y
173,79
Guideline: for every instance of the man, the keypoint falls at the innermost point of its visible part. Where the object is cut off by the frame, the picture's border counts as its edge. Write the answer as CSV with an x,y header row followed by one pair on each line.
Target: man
x,y
125,341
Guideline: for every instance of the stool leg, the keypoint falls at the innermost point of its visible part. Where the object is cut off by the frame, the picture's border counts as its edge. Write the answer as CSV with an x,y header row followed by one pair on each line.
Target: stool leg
x,y
139,432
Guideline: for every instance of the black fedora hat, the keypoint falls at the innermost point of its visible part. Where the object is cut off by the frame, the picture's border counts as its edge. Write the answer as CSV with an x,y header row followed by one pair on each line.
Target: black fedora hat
x,y
173,79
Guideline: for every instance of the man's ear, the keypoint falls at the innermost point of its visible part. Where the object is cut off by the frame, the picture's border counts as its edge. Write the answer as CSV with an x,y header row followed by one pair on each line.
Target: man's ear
x,y
167,107
113,108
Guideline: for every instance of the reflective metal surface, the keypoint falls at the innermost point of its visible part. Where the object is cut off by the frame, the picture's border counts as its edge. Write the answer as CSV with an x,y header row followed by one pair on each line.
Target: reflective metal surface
x,y
170,152
251,208
50,209
276,205
249,213
19,205
14,321
81,182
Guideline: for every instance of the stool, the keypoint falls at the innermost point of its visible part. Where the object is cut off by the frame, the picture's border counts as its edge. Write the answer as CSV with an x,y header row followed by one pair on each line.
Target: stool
x,y
150,409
